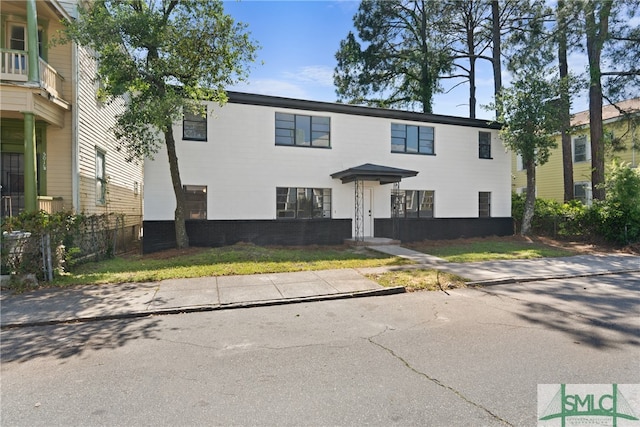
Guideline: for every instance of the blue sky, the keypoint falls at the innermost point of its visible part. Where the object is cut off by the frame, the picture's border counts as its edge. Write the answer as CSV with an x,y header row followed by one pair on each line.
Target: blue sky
x,y
299,39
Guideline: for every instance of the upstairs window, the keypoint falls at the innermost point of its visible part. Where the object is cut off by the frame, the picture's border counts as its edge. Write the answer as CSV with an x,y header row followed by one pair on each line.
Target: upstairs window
x,y
484,204
194,127
581,149
18,39
412,139
304,131
195,199
303,203
484,145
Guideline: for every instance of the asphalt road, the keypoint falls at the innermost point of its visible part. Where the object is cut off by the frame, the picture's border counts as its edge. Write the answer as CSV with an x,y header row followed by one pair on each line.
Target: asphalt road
x,y
472,357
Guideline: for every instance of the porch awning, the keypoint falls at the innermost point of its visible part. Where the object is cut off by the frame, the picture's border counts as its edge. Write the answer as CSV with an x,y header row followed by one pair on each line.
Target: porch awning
x,y
371,172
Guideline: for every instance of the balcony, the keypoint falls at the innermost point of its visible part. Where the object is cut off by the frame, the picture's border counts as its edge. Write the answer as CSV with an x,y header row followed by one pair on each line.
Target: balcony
x,y
14,66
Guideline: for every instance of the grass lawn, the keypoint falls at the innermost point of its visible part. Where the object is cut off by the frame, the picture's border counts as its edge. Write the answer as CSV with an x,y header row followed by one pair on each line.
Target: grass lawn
x,y
419,280
489,249
231,260
251,259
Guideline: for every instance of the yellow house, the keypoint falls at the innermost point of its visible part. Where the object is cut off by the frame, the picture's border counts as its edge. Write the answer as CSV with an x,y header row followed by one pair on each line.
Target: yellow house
x,y
549,177
58,152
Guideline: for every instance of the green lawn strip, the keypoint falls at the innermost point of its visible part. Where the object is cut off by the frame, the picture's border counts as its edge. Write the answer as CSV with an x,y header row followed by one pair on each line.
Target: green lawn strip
x,y
490,251
234,260
419,280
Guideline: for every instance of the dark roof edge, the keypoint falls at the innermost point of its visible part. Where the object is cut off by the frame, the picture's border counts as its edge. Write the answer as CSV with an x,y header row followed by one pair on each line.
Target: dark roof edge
x,y
359,110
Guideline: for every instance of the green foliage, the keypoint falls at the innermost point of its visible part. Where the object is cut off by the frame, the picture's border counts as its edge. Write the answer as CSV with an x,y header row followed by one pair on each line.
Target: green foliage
x,y
165,57
619,213
615,219
72,237
400,58
23,238
530,116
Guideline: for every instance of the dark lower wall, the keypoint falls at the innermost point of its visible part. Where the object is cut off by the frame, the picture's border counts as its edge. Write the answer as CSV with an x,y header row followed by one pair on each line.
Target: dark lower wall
x,y
160,235
417,229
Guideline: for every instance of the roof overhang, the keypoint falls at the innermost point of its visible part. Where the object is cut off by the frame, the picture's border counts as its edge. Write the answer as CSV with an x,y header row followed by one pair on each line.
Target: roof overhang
x,y
371,172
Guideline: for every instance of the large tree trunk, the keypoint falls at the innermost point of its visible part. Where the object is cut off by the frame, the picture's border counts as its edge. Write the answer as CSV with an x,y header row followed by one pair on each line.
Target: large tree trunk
x,y
597,32
567,158
472,74
182,239
530,200
497,66
426,82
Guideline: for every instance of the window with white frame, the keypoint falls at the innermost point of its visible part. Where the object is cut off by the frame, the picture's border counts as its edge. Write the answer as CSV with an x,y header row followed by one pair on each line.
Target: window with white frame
x,y
302,130
412,139
484,204
484,145
582,192
413,203
101,177
581,149
303,203
194,126
195,201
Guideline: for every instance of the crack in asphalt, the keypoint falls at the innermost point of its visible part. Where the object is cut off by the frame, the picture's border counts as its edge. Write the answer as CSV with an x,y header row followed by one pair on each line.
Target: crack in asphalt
x,y
437,382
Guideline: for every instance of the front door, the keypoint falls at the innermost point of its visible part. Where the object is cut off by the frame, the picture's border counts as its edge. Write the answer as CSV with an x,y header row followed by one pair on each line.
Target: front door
x,y
12,184
368,212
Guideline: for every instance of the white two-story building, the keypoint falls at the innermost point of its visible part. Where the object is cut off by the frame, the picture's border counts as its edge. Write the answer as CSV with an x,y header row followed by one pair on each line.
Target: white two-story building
x,y
273,170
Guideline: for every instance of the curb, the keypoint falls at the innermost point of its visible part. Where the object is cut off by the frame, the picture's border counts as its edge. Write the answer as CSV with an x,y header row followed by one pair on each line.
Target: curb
x,y
206,308
510,280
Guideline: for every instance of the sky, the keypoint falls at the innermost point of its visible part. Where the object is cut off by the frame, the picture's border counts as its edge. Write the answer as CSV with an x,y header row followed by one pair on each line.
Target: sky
x,y
299,40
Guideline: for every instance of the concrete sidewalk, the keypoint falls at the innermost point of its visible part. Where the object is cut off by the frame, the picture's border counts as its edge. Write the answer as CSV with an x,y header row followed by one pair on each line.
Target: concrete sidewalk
x,y
496,272
84,303
94,302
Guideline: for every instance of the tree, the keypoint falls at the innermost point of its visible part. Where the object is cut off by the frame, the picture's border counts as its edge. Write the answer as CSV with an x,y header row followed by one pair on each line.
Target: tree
x,y
597,30
608,33
400,59
530,118
469,40
562,20
165,57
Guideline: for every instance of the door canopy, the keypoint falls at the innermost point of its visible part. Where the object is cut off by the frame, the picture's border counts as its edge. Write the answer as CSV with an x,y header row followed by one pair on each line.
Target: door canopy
x,y
371,172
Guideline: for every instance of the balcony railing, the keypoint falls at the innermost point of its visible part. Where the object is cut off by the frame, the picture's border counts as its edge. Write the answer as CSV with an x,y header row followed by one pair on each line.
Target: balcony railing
x,y
14,204
50,204
14,66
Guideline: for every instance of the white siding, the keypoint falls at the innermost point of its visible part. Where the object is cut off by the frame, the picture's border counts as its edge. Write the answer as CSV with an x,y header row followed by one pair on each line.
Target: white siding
x,y
241,166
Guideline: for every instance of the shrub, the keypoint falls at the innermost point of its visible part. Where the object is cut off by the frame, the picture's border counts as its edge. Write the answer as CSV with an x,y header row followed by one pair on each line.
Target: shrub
x,y
616,219
618,215
71,238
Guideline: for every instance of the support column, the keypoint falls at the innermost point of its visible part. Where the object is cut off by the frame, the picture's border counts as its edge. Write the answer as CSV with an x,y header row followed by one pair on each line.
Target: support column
x,y
359,210
32,42
30,162
396,196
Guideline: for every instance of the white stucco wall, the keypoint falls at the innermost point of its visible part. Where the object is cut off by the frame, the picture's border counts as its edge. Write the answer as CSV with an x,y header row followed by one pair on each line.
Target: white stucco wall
x,y
241,166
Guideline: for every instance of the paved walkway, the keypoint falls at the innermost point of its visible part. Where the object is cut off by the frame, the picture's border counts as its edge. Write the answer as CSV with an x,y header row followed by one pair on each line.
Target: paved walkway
x,y
86,303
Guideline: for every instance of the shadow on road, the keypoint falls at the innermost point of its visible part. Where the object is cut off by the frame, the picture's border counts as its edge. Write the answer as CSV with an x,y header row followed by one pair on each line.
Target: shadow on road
x,y
601,311
74,339
70,339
